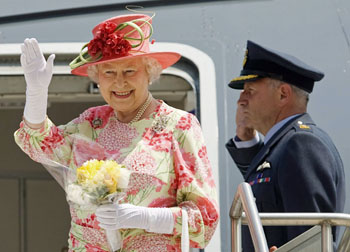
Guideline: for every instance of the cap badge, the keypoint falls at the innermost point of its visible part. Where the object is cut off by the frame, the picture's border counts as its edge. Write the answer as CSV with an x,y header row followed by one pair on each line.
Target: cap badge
x,y
245,57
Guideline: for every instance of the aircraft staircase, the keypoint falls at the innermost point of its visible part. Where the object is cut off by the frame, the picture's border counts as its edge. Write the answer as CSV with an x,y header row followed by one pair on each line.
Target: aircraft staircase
x,y
317,239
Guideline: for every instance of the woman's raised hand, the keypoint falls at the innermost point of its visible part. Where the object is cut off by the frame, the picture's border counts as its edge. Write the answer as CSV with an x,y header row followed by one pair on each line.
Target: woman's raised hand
x,y
38,75
36,70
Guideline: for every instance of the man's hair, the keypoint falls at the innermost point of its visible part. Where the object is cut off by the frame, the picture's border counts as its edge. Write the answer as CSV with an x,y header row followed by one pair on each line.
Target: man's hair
x,y
301,95
153,68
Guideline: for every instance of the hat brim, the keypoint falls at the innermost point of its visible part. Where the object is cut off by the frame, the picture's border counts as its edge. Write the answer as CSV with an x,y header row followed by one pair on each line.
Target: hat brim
x,y
165,59
238,82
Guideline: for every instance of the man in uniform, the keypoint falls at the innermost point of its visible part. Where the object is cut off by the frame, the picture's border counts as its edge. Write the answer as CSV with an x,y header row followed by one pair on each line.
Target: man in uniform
x,y
290,163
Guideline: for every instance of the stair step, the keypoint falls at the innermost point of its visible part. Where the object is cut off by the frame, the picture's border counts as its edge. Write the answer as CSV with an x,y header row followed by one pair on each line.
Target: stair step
x,y
309,241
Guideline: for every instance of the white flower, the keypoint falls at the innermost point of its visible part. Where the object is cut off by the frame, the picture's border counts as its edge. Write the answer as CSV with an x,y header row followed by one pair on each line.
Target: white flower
x,y
123,180
76,195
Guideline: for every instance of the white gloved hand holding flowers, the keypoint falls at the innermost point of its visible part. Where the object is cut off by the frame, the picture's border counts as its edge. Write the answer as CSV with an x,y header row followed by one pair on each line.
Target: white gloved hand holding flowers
x,y
119,216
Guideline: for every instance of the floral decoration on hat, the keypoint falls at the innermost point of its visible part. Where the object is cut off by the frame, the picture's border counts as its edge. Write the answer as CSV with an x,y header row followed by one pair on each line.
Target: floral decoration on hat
x,y
107,42
110,41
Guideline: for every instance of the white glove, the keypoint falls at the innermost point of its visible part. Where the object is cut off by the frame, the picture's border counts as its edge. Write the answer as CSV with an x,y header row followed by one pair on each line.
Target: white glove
x,y
117,216
38,74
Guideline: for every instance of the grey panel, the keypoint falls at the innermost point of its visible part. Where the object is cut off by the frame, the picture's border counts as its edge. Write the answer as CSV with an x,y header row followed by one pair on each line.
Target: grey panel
x,y
23,7
309,241
9,215
13,161
47,218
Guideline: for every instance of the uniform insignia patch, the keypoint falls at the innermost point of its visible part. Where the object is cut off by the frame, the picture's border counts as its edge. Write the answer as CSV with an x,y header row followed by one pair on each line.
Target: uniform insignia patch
x,y
303,126
260,180
263,166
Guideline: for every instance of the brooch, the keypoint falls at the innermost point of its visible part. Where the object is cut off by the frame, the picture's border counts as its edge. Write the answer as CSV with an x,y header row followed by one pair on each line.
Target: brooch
x,y
97,122
160,123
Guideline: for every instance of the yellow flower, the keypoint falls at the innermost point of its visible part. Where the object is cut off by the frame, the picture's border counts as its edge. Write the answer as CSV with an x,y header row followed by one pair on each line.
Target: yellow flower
x,y
95,175
88,170
111,175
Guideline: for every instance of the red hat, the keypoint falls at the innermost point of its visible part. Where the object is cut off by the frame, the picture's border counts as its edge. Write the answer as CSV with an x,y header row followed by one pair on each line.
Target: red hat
x,y
120,38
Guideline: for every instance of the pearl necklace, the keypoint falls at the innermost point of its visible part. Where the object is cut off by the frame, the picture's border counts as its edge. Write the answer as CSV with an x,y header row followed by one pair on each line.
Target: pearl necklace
x,y
141,110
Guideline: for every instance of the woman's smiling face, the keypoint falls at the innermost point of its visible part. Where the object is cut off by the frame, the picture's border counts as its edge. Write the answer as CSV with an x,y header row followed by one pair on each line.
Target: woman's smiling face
x,y
124,84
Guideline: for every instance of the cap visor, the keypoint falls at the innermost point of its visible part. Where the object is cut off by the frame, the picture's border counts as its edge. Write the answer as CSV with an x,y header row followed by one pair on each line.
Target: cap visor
x,y
238,83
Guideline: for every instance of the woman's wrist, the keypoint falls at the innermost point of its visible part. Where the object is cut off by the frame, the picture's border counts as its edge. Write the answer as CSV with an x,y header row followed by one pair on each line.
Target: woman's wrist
x,y
34,126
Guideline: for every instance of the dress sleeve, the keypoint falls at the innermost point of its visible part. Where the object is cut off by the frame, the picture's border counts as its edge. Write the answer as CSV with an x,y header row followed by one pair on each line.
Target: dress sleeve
x,y
70,144
196,191
49,142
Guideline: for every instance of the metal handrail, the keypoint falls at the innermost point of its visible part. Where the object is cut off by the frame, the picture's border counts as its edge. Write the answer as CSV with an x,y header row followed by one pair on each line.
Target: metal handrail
x,y
325,220
244,201
244,198
301,219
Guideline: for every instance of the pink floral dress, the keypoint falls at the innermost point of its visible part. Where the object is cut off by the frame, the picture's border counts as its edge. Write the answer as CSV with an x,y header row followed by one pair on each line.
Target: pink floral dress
x,y
170,168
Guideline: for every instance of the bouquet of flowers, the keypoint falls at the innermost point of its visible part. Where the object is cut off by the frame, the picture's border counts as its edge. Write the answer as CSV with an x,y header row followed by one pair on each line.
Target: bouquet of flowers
x,y
97,182
94,183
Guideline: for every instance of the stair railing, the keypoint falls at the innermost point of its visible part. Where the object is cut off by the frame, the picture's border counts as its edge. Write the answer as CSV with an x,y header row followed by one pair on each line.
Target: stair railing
x,y
244,201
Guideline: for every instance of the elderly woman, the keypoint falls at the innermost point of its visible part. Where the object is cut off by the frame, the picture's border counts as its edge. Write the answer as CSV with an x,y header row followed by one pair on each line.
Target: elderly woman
x,y
171,183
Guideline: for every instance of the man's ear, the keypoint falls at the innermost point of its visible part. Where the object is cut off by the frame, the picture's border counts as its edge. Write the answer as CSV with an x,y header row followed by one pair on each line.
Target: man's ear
x,y
285,93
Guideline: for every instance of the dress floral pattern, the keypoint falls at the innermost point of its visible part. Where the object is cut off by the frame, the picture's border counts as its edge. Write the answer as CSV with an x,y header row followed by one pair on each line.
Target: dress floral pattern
x,y
170,168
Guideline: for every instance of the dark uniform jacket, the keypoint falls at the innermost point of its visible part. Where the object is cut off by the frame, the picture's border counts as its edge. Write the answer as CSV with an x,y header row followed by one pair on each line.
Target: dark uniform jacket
x,y
298,170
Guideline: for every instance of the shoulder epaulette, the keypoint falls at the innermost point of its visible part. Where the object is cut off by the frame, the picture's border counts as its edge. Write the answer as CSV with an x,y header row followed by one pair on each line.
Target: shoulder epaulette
x,y
299,125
